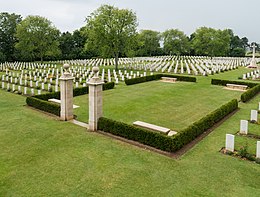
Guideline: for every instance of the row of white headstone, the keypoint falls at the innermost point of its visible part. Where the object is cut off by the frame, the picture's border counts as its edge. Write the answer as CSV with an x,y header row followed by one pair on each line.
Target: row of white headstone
x,y
230,139
18,88
244,123
230,144
252,75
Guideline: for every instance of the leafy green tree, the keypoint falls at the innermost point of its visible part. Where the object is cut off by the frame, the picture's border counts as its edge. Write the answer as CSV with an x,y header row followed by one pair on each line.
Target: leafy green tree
x,y
238,46
8,24
111,31
72,45
175,42
148,43
66,45
37,38
211,42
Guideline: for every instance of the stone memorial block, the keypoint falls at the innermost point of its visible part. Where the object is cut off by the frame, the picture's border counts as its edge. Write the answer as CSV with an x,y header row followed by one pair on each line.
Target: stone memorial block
x,y
243,127
253,117
32,91
25,90
3,85
230,142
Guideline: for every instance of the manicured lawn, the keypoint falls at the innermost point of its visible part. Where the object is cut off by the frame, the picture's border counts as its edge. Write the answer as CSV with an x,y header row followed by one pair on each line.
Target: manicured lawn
x,y
165,104
42,156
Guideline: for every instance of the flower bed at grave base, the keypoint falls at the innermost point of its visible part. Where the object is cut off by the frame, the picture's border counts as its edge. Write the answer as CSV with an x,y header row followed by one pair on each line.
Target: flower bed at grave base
x,y
246,96
163,142
41,101
157,77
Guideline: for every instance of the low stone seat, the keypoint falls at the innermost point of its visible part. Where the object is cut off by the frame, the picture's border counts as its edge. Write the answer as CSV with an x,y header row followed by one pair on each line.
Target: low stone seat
x,y
59,102
236,86
169,79
156,128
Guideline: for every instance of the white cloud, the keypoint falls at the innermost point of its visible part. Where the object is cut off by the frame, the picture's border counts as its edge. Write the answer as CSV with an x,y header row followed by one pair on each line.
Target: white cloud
x,y
186,15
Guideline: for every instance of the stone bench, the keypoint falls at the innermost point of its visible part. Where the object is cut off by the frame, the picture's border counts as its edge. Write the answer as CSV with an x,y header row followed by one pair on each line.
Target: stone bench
x,y
58,101
236,86
153,127
169,79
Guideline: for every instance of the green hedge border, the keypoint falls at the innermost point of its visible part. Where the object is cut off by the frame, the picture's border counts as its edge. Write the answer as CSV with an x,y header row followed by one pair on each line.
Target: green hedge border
x,y
225,82
246,96
163,142
157,77
41,101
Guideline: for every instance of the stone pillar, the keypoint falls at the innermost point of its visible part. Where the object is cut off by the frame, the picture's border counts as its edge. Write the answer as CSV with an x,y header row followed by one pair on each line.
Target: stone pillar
x,y
66,94
95,85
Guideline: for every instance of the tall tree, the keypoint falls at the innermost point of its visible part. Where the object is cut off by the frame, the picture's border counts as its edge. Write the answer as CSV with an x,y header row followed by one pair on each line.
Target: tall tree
x,y
8,24
175,42
37,38
148,42
111,30
238,46
72,45
211,42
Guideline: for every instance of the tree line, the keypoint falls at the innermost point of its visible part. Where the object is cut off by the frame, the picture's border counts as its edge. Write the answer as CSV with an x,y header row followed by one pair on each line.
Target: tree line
x,y
109,32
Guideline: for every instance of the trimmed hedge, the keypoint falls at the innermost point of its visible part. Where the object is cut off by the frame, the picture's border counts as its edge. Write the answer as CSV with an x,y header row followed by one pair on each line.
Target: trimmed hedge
x,y
157,77
164,142
41,101
249,94
225,82
130,132
43,105
246,96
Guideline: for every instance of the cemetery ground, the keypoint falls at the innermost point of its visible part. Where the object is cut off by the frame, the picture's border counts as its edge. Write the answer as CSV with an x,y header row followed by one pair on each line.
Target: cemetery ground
x,y
179,103
43,156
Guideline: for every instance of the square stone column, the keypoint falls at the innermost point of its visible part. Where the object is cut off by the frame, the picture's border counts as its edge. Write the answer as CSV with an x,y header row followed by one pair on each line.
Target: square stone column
x,y
66,95
95,100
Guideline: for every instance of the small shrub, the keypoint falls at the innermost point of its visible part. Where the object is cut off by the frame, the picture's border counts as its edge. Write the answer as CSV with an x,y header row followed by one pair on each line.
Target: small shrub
x,y
257,160
250,157
243,151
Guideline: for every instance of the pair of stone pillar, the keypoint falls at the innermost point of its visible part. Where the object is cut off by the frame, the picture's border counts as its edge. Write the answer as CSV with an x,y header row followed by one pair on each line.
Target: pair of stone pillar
x,y
95,97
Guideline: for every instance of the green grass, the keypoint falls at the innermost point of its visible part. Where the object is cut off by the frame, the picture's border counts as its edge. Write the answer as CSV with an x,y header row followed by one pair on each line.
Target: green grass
x,y
174,106
42,156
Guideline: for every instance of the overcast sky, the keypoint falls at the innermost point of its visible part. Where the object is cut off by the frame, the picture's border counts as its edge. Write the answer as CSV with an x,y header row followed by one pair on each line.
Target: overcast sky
x,y
243,16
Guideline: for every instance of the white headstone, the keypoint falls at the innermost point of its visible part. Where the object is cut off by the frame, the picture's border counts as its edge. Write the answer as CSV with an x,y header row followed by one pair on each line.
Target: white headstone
x,y
25,90
254,114
258,149
230,142
243,127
